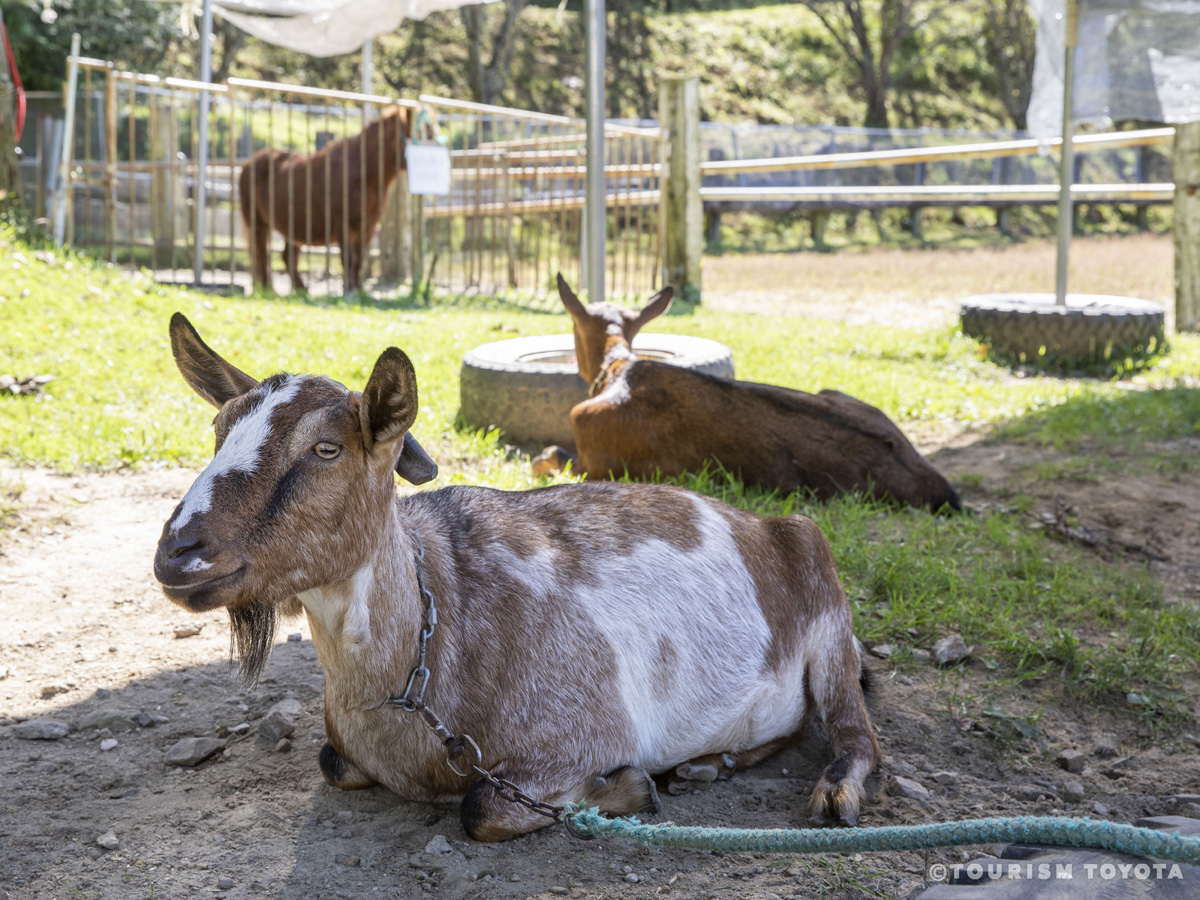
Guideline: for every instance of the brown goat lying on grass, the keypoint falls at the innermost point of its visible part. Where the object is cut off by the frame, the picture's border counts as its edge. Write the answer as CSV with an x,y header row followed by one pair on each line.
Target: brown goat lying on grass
x,y
588,635
645,417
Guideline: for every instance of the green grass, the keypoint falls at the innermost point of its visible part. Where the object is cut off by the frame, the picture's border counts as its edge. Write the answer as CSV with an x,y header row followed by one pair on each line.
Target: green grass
x,y
1126,419
1038,610
117,399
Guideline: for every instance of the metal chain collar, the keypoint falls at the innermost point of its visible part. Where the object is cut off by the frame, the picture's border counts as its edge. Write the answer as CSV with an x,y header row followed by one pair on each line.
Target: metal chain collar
x,y
463,755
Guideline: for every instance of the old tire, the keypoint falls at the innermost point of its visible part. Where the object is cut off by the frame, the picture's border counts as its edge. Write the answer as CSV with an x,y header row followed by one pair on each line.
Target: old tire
x,y
1092,329
527,386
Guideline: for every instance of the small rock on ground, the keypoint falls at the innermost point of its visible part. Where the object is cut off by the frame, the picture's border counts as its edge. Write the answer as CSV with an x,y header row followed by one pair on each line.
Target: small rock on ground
x,y
224,884
276,726
882,651
295,638
110,744
193,751
438,844
899,786
188,629
945,777
288,706
1073,791
284,746
1071,760
108,841
114,719
951,649
41,730
50,690
343,860
1031,792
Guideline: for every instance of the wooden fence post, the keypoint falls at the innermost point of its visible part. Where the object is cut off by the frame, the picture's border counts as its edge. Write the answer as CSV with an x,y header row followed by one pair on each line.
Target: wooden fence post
x,y
1186,169
417,232
395,233
681,208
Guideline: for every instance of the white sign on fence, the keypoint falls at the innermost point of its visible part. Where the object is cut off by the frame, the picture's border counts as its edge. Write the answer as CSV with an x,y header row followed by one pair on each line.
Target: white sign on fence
x,y
428,169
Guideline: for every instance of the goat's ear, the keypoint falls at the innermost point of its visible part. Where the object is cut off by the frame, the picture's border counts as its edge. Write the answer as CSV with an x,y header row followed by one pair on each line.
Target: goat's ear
x,y
658,305
203,369
569,300
389,401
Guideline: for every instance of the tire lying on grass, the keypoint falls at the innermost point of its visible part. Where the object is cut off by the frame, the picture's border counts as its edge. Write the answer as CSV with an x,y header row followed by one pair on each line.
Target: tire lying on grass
x,y
1090,330
527,386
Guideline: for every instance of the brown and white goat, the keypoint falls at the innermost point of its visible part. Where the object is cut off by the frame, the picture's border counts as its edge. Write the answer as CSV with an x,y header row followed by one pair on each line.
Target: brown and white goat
x,y
645,417
589,635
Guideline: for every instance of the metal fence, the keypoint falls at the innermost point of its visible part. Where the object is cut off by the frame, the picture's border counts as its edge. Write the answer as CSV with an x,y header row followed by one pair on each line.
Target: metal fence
x,y
512,220
514,215
823,166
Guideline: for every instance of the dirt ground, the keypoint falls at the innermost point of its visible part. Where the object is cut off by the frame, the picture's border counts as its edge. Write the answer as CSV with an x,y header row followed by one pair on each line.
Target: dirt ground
x,y
89,640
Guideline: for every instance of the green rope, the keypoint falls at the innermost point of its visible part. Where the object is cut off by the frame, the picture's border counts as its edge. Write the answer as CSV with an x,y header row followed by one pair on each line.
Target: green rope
x,y
1058,830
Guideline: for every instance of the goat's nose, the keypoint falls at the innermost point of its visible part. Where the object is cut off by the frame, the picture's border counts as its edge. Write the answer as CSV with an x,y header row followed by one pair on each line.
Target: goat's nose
x,y
179,552
181,544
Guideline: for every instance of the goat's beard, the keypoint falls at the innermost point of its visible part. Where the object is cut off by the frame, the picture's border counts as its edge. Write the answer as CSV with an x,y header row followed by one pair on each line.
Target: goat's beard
x,y
251,637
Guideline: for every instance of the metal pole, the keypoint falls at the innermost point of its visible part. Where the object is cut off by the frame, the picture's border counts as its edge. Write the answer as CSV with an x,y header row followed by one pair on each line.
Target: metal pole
x,y
1066,171
206,25
68,145
593,210
368,69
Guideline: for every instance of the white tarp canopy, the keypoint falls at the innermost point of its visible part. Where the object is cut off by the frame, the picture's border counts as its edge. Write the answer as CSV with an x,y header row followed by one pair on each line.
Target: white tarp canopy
x,y
326,27
1135,59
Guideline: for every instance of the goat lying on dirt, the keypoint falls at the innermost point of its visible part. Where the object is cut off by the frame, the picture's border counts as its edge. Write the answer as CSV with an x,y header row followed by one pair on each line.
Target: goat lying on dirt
x,y
589,635
644,417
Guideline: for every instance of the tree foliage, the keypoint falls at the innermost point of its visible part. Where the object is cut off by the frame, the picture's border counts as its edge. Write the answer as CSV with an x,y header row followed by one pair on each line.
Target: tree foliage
x,y
883,63
882,38
1010,36
132,33
488,73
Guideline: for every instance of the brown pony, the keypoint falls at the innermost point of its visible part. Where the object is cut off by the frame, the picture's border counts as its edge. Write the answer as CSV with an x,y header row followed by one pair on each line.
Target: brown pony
x,y
335,196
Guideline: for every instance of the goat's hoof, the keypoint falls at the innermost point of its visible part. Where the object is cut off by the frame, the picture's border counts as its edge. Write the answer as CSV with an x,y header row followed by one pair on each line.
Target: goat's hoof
x,y
624,791
551,461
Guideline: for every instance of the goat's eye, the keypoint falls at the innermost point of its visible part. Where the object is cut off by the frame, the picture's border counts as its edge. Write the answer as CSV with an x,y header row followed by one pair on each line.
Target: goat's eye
x,y
326,450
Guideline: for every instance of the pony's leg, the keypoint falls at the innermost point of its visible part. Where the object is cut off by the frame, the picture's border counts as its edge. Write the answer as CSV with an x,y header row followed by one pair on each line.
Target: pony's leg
x,y
346,254
291,258
261,255
358,247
